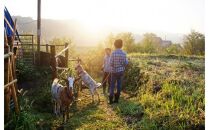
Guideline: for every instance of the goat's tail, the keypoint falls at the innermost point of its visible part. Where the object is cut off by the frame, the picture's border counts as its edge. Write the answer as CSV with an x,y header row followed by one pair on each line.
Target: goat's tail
x,y
98,85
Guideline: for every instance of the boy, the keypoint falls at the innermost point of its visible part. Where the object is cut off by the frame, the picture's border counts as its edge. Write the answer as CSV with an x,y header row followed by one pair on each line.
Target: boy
x,y
106,68
118,62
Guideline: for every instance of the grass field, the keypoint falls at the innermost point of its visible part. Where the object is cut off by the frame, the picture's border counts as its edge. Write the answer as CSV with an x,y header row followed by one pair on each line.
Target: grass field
x,y
173,96
161,92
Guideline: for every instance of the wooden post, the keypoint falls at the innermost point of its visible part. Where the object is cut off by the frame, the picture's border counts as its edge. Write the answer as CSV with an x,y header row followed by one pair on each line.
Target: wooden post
x,y
33,50
12,87
7,102
47,48
66,55
38,31
7,92
53,62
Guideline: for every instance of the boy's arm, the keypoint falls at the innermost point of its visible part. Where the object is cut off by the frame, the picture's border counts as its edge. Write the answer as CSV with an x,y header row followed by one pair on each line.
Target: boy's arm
x,y
111,60
103,65
126,60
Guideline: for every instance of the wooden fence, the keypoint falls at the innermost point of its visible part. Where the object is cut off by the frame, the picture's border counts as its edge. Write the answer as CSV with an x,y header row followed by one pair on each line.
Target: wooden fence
x,y
10,81
55,66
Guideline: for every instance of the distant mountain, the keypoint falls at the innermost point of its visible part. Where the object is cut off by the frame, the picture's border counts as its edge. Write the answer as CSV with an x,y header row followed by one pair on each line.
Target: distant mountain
x,y
79,34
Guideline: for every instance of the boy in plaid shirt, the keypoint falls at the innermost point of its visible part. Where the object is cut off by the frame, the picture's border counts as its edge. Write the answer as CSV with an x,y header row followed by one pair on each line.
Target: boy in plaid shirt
x,y
118,62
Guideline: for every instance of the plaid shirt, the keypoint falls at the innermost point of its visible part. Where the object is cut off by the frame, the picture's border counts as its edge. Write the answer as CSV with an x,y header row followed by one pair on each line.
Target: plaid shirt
x,y
118,61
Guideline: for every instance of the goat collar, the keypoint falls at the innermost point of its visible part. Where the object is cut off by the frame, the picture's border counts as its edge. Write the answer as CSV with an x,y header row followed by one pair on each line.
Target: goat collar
x,y
58,89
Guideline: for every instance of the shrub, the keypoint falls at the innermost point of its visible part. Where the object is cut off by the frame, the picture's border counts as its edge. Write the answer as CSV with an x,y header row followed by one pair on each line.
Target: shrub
x,y
133,78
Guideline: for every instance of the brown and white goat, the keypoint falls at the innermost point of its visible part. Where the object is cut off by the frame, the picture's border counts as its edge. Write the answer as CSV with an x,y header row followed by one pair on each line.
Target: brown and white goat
x,y
62,97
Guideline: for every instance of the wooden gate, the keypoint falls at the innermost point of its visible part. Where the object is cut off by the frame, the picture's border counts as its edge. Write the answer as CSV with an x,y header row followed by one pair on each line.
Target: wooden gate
x,y
26,49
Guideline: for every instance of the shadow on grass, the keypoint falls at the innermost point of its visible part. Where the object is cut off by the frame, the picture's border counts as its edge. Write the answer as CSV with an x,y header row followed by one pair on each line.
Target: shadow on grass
x,y
128,110
80,116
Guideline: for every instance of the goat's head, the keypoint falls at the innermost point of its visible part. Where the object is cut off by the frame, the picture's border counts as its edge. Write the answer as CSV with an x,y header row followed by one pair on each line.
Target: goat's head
x,y
69,83
79,68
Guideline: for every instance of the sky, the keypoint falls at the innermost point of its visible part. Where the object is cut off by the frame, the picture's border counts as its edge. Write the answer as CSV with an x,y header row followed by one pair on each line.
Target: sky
x,y
172,16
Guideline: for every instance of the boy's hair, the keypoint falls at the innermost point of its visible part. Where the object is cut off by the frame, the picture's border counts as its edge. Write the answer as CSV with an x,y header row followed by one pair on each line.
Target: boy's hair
x,y
107,49
118,43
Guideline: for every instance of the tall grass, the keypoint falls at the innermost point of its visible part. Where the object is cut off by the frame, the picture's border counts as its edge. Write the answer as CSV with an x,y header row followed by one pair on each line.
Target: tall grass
x,y
179,100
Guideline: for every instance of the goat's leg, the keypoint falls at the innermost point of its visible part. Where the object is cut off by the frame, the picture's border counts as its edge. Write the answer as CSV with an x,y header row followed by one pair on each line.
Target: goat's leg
x,y
55,108
58,108
63,116
92,98
97,93
67,112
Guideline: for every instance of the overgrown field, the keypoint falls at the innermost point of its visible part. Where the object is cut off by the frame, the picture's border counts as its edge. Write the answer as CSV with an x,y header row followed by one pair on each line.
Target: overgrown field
x,y
170,90
160,92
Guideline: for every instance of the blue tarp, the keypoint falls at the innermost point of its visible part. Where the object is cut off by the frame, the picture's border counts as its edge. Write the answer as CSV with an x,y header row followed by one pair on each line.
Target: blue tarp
x,y
9,24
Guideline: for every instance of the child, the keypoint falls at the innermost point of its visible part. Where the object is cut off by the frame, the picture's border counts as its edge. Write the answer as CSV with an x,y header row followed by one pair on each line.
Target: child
x,y
118,62
106,69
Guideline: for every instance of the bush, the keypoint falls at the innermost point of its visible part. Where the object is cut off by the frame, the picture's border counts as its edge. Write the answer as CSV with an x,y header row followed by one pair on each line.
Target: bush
x,y
133,78
28,73
25,120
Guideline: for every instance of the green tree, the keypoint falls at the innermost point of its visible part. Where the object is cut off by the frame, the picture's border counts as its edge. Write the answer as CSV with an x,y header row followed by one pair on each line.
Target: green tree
x,y
194,43
128,41
62,41
174,49
109,41
151,43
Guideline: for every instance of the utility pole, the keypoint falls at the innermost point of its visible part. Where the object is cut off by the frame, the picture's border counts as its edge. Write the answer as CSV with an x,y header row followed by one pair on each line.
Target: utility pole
x,y
38,31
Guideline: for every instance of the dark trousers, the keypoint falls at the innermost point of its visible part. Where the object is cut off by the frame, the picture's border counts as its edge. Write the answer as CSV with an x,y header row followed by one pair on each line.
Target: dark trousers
x,y
105,80
116,77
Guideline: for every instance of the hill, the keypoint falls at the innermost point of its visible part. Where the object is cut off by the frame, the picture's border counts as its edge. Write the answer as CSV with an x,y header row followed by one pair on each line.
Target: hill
x,y
79,32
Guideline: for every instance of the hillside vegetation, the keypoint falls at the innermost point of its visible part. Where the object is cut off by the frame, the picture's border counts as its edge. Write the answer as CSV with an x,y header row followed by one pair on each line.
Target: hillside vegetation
x,y
170,89
160,92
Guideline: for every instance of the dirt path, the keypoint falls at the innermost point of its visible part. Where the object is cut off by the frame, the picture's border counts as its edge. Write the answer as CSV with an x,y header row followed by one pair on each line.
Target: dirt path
x,y
84,115
87,115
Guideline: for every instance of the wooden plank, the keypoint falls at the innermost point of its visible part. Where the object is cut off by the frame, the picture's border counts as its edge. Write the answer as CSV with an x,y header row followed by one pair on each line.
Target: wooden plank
x,y
7,92
8,55
10,83
66,54
47,48
61,68
13,90
53,62
61,52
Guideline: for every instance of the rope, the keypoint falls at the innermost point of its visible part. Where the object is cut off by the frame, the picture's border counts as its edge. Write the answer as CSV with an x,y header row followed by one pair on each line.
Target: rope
x,y
105,79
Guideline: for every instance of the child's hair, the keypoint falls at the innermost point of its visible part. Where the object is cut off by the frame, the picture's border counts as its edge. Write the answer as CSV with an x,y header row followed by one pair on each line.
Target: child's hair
x,y
118,43
107,49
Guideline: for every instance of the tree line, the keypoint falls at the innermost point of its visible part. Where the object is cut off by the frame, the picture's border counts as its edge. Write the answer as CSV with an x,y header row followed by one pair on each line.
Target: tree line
x,y
193,44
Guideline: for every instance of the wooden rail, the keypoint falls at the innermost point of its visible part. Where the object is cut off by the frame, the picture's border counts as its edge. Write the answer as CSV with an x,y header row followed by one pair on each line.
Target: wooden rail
x,y
10,83
10,87
62,51
54,56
